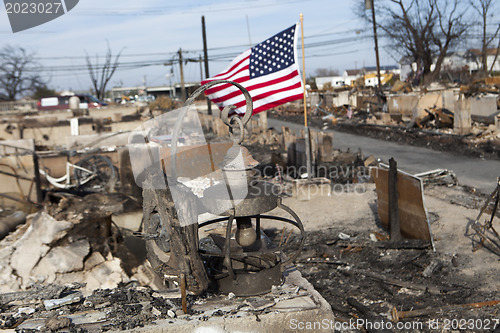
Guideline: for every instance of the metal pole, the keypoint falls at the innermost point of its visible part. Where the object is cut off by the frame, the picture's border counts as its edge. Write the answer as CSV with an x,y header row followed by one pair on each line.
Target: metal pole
x,y
183,88
201,69
376,46
38,182
307,133
205,55
248,28
394,224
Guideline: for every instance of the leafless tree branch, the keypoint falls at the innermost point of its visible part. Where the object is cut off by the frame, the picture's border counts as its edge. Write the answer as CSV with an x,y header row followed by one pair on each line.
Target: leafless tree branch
x,y
19,72
100,75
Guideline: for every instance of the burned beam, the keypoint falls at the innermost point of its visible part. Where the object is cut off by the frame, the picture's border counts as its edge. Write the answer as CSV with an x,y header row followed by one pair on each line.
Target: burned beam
x,y
397,315
394,222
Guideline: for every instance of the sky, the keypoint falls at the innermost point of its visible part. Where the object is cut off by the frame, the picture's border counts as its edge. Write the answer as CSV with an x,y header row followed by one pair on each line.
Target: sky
x,y
150,33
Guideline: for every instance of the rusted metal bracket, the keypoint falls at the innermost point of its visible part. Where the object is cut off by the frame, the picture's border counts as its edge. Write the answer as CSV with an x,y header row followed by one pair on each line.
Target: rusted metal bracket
x,y
489,237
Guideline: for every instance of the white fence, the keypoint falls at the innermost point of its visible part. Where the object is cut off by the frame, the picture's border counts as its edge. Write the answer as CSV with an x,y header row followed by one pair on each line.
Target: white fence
x,y
29,105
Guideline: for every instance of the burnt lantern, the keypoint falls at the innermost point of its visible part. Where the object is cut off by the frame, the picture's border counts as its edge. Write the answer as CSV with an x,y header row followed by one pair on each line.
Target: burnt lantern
x,y
241,260
246,262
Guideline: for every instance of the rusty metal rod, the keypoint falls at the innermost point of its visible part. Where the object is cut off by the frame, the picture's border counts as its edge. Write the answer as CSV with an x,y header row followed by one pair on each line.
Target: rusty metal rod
x,y
14,175
19,199
183,292
282,233
287,237
397,315
495,207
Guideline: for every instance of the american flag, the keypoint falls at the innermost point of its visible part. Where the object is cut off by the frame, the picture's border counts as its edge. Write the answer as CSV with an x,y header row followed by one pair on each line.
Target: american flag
x,y
269,72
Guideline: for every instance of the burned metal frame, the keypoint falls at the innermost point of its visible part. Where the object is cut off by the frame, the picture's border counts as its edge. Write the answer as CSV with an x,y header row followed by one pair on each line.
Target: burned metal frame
x,y
35,180
482,229
261,281
296,223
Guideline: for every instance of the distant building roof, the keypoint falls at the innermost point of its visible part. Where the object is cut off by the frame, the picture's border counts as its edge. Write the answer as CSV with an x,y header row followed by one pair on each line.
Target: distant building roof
x,y
477,52
382,68
353,72
370,69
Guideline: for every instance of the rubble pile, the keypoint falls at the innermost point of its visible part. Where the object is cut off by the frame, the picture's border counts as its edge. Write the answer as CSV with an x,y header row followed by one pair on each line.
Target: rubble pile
x,y
64,308
440,116
372,280
73,240
71,268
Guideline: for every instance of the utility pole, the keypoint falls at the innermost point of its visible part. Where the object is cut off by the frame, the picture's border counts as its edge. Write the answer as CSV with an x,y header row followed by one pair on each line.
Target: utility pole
x,y
183,88
248,28
201,69
372,3
205,55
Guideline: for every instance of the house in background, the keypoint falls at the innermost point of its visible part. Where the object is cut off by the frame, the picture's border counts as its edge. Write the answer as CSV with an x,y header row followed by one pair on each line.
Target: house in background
x,y
454,61
351,75
474,62
335,81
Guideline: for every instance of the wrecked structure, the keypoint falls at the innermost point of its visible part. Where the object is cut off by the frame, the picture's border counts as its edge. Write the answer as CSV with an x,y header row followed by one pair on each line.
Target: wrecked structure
x,y
446,117
79,238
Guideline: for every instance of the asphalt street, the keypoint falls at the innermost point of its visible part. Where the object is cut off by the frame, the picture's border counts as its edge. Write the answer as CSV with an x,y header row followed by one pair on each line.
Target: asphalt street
x,y
478,173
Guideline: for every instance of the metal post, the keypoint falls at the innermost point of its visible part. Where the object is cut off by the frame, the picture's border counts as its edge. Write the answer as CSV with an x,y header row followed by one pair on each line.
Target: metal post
x,y
307,136
38,182
183,88
376,46
201,69
205,55
394,225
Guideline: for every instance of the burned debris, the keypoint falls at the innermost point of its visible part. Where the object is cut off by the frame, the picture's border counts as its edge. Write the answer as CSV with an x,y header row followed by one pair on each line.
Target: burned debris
x,y
440,116
487,234
121,257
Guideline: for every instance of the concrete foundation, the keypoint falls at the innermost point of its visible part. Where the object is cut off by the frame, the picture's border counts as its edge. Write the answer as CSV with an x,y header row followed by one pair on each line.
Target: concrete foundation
x,y
288,314
462,122
485,106
414,105
305,190
343,98
403,104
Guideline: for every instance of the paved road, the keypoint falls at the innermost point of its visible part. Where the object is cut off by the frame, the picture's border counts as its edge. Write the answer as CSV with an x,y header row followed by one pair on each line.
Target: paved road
x,y
474,172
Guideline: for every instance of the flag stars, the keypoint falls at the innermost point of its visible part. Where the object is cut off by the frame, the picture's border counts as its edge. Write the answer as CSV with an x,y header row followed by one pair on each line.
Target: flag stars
x,y
272,55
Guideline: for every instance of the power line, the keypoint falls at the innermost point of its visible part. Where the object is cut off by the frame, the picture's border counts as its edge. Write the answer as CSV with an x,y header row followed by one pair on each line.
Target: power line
x,y
161,62
161,10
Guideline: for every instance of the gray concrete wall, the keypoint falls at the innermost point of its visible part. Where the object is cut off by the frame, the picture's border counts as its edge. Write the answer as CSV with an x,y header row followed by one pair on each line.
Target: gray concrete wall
x,y
485,106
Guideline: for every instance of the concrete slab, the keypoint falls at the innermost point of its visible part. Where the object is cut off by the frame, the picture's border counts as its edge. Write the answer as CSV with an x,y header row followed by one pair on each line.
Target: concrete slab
x,y
34,244
403,104
306,309
485,106
305,190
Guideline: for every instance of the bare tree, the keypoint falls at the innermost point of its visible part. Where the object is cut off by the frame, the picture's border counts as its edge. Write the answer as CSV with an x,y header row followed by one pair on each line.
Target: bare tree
x,y
424,30
451,27
326,72
100,75
483,7
19,73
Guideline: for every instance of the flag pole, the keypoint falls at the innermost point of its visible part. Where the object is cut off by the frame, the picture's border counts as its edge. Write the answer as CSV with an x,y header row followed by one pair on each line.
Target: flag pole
x,y
306,132
303,66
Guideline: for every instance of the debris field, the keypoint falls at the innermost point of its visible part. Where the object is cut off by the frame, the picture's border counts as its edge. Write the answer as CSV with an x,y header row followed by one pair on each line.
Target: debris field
x,y
73,266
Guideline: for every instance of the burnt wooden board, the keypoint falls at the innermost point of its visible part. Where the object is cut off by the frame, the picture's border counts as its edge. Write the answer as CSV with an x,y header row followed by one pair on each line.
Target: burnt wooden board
x,y
198,160
414,222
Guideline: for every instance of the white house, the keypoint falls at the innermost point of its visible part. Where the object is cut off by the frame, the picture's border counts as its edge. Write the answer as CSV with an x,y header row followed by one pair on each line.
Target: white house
x,y
350,75
453,61
335,81
474,62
